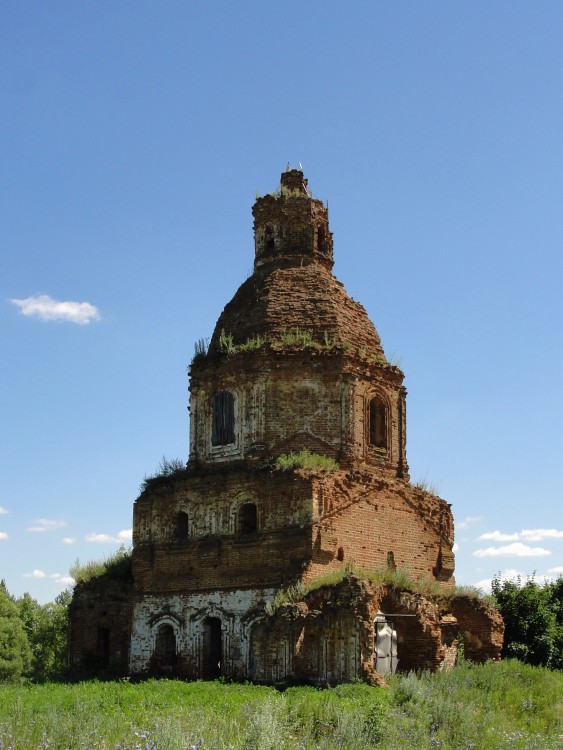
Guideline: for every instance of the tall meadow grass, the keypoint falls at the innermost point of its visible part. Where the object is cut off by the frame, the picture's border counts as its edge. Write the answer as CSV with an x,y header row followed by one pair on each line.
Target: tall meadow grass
x,y
509,706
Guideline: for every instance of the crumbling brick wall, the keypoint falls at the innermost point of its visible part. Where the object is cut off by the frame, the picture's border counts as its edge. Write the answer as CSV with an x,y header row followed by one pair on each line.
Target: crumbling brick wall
x,y
480,625
100,624
328,637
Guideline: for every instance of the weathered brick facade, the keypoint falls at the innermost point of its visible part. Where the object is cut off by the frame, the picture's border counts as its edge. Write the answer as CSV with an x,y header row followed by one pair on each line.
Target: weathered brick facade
x,y
293,364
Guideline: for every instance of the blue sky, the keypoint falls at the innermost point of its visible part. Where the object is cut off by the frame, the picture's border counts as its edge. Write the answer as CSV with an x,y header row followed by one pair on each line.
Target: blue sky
x,y
133,138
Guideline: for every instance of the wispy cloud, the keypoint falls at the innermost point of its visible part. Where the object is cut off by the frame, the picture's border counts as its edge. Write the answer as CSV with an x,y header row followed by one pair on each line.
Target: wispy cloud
x,y
538,535
39,574
69,539
3,536
526,535
36,573
64,580
123,536
47,524
516,549
558,570
498,536
468,521
3,511
45,308
455,548
510,574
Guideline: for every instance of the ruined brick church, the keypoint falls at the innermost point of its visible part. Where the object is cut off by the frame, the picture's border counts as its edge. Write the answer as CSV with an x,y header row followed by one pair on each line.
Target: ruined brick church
x,y
229,554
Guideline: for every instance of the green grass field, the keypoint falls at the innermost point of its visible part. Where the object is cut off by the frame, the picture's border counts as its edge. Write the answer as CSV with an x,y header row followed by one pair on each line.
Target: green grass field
x,y
508,705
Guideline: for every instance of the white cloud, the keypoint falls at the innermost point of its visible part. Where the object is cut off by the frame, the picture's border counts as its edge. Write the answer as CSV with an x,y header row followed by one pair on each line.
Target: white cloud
x,y
468,521
100,538
69,539
499,536
509,574
66,580
35,574
47,524
526,535
455,548
123,536
516,549
558,570
3,536
3,511
57,577
538,535
46,308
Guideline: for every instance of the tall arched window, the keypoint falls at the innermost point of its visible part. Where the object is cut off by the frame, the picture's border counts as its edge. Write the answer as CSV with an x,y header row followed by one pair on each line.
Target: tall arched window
x,y
165,647
269,242
223,427
181,526
321,239
377,423
247,518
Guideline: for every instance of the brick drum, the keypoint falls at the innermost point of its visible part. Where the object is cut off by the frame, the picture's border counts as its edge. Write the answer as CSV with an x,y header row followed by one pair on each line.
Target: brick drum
x,y
294,364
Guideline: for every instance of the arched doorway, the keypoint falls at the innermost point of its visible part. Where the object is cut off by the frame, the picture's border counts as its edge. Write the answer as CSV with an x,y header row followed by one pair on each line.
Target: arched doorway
x,y
212,648
165,653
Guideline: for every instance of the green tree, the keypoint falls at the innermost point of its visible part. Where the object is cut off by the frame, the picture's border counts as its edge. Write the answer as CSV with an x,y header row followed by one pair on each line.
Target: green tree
x,y
14,646
556,591
530,618
46,627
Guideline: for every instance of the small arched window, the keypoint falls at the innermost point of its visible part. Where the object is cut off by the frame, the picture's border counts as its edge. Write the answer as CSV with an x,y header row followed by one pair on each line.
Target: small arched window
x,y
391,562
248,518
340,554
165,647
181,526
321,239
223,427
269,242
377,423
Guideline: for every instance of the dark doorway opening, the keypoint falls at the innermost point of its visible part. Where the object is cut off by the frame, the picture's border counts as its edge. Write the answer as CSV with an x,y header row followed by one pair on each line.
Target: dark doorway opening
x,y
102,646
212,648
165,650
248,518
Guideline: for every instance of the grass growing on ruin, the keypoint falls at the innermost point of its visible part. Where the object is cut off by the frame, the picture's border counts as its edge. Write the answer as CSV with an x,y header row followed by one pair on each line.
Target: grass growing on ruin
x,y
305,460
294,339
506,706
118,562
166,468
400,578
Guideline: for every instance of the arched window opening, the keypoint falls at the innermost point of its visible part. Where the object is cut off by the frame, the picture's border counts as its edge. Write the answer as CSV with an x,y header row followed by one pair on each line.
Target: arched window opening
x,y
391,562
223,428
269,243
181,526
102,646
212,648
377,423
340,555
248,518
321,239
165,647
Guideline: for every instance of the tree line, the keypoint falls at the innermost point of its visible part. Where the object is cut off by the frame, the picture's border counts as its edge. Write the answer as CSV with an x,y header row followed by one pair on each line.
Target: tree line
x,y
533,620
34,637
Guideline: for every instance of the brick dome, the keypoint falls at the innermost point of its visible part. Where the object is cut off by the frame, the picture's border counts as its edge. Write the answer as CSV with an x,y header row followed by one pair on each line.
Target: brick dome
x,y
292,286
307,298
